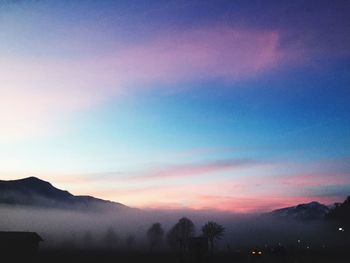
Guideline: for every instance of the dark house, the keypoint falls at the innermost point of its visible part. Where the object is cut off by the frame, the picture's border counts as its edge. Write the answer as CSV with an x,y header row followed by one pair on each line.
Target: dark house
x,y
19,244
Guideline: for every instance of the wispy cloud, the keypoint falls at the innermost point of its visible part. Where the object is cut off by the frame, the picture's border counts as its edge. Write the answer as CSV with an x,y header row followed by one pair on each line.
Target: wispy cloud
x,y
249,185
315,179
195,169
255,204
214,52
37,92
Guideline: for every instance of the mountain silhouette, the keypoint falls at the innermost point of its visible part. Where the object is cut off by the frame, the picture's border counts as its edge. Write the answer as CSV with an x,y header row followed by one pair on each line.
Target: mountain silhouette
x,y
33,191
309,211
341,212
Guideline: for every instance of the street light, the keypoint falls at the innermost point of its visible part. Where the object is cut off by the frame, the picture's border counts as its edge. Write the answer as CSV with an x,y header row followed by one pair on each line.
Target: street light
x,y
341,229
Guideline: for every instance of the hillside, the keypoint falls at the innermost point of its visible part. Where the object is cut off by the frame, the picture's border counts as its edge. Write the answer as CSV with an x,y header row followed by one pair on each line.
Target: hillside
x,y
32,191
309,211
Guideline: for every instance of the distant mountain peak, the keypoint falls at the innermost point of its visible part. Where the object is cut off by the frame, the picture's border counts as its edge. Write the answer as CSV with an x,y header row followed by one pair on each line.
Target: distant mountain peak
x,y
313,203
308,211
32,191
28,179
31,178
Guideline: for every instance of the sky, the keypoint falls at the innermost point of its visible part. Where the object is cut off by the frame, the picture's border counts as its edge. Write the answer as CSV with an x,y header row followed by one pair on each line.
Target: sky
x,y
240,106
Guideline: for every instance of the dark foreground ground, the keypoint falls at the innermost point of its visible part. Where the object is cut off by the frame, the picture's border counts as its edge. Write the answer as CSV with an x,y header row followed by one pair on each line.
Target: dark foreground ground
x,y
60,256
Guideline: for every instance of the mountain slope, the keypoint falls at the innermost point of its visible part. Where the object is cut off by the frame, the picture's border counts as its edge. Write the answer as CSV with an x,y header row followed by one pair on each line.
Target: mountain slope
x,y
340,212
32,191
309,211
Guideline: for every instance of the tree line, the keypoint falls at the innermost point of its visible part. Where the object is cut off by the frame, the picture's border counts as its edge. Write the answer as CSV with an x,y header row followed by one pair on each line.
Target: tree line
x,y
179,235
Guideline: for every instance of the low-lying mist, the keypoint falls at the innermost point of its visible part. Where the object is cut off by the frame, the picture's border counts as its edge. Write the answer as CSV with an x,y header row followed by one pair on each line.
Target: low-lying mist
x,y
127,229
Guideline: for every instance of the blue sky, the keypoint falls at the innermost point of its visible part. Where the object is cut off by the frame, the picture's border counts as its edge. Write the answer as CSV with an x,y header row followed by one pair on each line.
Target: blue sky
x,y
163,103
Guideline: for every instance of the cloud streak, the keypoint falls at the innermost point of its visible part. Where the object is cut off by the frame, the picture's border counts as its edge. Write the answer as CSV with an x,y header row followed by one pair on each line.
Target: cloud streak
x,y
197,169
37,92
249,185
214,52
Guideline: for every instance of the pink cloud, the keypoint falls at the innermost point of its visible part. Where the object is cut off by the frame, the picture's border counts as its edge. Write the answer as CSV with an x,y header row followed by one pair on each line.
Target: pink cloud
x,y
254,204
215,52
248,185
38,92
315,179
195,169
236,193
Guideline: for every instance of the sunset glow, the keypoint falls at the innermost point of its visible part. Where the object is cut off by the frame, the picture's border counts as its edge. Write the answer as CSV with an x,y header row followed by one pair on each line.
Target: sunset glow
x,y
186,106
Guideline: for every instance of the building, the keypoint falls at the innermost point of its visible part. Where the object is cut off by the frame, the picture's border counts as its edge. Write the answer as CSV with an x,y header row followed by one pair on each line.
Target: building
x,y
19,244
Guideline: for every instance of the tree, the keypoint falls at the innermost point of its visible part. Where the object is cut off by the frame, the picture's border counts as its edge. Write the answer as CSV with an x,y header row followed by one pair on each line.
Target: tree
x,y
130,241
111,238
180,233
172,237
212,231
88,239
155,235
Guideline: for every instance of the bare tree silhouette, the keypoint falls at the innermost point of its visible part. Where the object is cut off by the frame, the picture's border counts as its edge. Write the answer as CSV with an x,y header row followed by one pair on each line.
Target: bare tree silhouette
x,y
88,239
172,238
111,239
213,231
155,235
130,241
180,233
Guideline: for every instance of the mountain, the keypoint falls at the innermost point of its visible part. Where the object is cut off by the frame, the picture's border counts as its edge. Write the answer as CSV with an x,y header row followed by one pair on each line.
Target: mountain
x,y
340,212
32,191
309,211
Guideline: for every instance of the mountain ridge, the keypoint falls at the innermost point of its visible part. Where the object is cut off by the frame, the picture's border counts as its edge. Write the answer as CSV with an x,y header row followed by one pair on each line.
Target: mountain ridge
x,y
32,191
307,211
